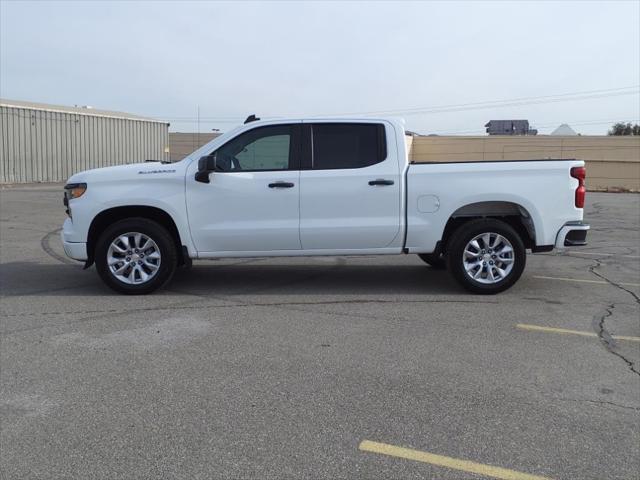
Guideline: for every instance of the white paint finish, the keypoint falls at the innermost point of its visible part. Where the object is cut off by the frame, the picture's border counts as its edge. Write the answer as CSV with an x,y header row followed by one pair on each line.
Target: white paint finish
x,y
428,203
339,209
159,185
543,188
77,251
334,212
238,212
301,253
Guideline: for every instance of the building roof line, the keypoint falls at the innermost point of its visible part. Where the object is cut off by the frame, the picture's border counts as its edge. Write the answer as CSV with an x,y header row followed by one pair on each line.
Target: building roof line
x,y
91,112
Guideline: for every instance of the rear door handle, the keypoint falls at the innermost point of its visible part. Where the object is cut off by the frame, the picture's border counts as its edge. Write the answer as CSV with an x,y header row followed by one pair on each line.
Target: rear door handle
x,y
380,181
281,185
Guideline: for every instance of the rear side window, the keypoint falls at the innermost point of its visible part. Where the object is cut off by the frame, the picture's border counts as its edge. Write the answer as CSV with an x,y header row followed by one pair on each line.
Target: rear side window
x,y
347,145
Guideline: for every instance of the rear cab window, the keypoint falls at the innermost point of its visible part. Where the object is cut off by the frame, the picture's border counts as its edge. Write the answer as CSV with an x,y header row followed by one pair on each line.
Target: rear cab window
x,y
346,145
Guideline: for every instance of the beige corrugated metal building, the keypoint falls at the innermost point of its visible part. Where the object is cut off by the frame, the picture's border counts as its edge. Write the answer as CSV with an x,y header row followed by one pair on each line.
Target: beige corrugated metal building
x,y
49,143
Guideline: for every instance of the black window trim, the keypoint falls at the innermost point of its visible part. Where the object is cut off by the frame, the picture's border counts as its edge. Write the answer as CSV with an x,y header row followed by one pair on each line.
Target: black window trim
x,y
307,144
295,147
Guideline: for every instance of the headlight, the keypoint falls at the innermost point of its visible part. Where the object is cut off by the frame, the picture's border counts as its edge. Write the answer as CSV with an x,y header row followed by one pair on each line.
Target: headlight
x,y
75,190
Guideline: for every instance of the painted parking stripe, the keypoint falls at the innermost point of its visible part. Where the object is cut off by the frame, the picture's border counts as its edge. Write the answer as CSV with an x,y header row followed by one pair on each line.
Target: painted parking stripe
x,y
580,280
595,254
540,328
448,462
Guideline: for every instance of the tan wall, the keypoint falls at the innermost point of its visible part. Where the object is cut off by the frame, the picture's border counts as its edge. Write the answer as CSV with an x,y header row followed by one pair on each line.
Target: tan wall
x,y
613,163
182,144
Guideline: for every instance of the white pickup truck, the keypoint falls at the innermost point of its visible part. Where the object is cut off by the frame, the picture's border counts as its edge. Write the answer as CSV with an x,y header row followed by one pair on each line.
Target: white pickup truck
x,y
321,187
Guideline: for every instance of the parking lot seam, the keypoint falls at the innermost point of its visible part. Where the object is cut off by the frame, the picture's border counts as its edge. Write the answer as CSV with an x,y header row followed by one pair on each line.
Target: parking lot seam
x,y
605,337
609,341
598,264
595,402
181,306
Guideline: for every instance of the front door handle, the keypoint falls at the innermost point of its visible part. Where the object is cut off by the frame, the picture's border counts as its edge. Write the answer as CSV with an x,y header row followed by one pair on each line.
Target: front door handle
x,y
281,185
381,181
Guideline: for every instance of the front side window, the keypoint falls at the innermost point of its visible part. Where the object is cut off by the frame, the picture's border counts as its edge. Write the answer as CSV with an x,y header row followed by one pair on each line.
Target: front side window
x,y
263,148
347,145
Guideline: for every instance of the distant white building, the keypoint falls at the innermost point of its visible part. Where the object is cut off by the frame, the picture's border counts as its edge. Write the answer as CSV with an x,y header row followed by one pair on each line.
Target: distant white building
x,y
510,127
564,130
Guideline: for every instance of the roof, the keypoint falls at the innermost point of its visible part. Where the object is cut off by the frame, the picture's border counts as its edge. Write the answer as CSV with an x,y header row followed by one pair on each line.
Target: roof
x,y
565,130
94,112
500,122
324,119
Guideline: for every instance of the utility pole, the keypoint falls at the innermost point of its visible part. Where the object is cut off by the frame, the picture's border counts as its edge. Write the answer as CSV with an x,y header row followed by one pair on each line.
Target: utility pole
x,y
198,136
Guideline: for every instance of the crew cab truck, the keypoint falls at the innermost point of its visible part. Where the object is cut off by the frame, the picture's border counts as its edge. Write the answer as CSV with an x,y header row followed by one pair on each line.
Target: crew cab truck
x,y
321,187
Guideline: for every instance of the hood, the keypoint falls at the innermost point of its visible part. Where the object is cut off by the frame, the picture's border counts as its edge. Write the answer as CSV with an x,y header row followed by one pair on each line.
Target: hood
x,y
132,171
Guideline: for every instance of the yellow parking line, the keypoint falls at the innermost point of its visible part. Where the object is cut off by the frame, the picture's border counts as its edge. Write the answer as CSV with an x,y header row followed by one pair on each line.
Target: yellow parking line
x,y
540,328
601,254
580,280
448,462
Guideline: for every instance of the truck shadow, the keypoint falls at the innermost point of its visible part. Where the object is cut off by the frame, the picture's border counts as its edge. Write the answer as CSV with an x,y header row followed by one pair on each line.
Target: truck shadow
x,y
313,279
251,277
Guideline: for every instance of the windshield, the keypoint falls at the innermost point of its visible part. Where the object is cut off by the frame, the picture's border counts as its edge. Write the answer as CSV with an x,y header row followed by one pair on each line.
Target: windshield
x,y
210,146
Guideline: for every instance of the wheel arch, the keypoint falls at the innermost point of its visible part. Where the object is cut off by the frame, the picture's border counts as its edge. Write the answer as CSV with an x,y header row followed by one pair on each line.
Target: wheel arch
x,y
107,217
512,213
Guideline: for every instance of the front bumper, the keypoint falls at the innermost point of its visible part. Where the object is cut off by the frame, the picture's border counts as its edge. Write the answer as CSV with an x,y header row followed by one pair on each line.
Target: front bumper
x,y
573,234
75,250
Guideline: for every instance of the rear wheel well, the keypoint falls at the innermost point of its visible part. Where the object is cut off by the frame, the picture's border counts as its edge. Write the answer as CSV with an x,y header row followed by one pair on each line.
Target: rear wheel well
x,y
511,213
112,215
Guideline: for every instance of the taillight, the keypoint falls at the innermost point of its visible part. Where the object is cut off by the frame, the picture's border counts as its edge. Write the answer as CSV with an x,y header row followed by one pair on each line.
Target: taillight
x,y
580,173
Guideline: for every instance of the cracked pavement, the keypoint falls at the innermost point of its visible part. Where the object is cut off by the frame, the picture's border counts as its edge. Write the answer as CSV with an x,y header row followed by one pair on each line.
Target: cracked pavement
x,y
279,368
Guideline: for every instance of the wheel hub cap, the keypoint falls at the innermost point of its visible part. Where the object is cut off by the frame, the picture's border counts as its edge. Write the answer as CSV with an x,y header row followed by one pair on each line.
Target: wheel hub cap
x,y
488,258
133,258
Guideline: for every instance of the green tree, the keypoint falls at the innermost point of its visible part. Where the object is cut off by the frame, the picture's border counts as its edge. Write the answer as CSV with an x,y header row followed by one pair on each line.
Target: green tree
x,y
621,128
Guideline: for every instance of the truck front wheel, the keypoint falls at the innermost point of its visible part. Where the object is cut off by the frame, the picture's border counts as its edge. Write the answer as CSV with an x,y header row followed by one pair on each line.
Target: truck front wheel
x,y
486,256
136,256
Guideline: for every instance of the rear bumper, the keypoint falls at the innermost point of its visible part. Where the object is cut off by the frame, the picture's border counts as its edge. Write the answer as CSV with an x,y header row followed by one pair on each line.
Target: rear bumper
x,y
573,234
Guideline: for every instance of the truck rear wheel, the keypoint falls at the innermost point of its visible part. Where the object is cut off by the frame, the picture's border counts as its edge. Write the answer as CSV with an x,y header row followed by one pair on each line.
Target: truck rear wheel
x,y
136,256
486,256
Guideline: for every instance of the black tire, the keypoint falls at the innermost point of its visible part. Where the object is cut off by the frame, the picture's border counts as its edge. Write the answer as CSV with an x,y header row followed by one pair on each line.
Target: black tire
x,y
439,262
154,231
465,234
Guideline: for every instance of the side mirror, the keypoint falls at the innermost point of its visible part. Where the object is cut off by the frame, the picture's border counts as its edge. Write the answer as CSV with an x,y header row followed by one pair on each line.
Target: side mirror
x,y
206,165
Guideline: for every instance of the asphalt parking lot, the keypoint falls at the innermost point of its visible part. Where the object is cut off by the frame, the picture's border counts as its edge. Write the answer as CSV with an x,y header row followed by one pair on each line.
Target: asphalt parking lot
x,y
272,368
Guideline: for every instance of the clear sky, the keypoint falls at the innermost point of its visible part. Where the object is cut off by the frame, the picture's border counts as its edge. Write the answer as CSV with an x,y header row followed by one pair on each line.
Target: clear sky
x,y
165,59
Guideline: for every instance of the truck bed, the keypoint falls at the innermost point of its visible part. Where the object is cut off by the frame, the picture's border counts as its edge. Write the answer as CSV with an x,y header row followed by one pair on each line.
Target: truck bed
x,y
541,190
